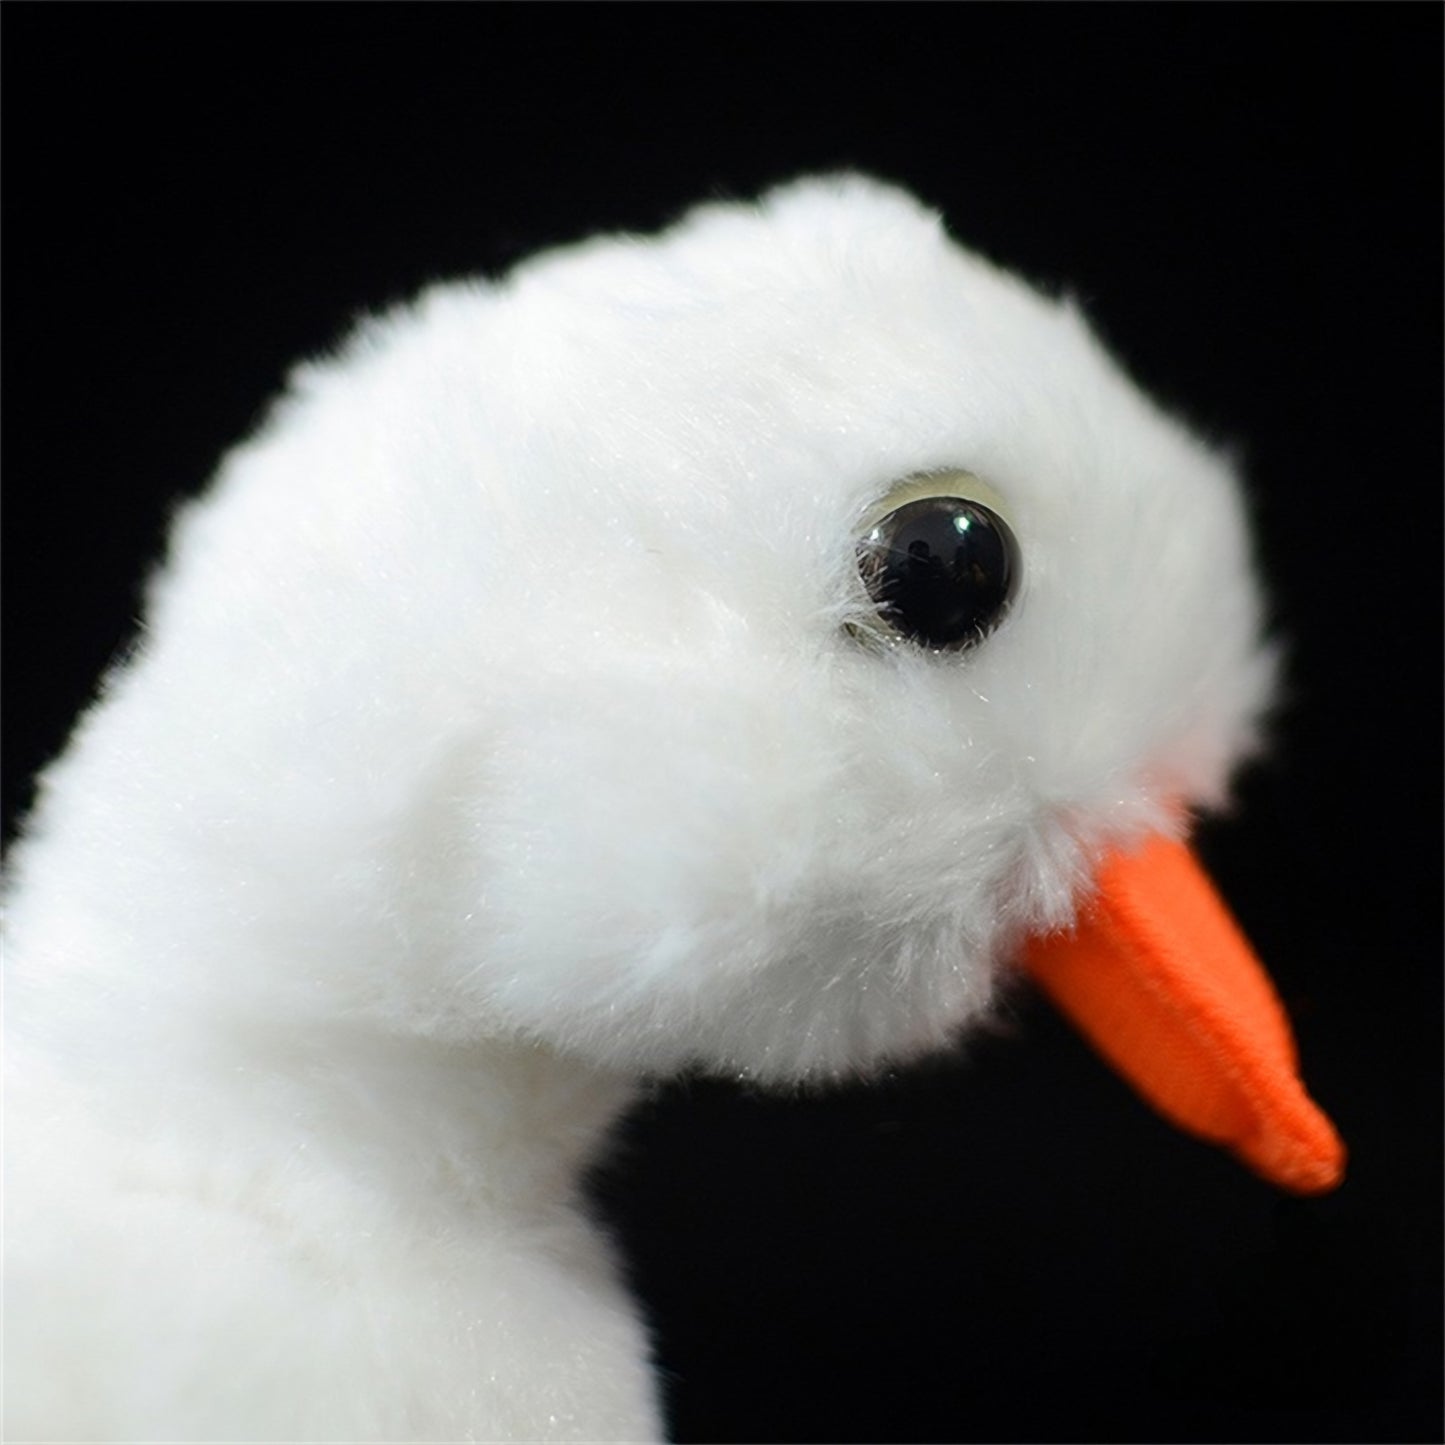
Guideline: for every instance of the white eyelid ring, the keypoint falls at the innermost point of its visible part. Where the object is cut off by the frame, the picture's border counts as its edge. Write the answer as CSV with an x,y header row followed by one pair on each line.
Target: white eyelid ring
x,y
942,482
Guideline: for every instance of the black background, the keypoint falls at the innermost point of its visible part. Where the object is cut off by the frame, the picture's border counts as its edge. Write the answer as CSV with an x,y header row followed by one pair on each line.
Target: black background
x,y
1002,1245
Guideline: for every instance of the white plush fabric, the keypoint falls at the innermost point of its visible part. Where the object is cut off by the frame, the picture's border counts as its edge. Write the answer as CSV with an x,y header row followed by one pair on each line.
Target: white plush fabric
x,y
496,739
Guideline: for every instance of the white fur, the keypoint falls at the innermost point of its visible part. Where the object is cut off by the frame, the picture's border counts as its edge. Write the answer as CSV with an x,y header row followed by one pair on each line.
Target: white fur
x,y
495,739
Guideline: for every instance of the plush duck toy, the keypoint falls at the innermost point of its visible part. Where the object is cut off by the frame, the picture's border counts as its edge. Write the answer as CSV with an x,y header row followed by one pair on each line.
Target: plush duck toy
x,y
732,651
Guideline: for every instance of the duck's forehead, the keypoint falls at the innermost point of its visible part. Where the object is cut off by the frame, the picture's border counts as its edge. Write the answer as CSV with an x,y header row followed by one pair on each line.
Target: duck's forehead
x,y
751,362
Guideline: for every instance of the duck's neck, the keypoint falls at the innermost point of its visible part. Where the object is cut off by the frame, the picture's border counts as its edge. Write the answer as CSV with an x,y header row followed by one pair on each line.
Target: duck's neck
x,y
167,1028
246,1083
492,1124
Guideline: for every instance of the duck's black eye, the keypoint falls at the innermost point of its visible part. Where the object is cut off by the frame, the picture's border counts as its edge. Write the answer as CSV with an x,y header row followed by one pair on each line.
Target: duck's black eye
x,y
942,570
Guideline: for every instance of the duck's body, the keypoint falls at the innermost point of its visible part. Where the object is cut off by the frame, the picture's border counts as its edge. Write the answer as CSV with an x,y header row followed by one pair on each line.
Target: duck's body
x,y
511,723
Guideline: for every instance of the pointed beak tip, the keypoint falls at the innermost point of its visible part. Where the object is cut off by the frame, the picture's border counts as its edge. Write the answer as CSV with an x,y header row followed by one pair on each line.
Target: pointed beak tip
x,y
1311,1162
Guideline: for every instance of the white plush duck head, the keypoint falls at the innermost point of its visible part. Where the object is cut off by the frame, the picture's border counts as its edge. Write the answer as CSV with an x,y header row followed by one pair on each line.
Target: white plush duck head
x,y
581,659
728,651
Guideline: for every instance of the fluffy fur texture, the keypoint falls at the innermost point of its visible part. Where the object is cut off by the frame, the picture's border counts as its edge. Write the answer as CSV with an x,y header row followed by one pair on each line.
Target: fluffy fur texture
x,y
496,738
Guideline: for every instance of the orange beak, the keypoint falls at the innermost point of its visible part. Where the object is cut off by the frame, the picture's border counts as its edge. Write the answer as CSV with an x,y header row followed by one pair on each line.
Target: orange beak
x,y
1159,978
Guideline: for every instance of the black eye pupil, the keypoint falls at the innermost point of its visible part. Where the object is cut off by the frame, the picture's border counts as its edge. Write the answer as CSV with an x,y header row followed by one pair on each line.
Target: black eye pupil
x,y
942,570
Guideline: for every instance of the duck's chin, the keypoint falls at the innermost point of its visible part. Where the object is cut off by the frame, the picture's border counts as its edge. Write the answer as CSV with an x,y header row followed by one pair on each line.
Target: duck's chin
x,y
820,1058
814,1016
